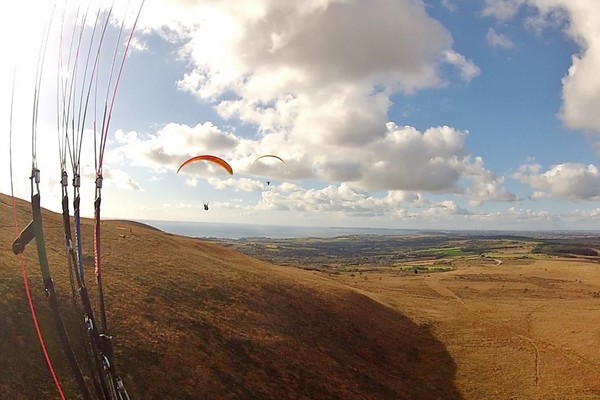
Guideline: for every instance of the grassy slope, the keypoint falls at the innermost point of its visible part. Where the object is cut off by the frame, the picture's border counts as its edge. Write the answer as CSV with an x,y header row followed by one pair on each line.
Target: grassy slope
x,y
192,320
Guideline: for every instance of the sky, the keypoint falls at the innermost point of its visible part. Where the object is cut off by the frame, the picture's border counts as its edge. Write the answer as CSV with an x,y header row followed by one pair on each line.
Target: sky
x,y
417,114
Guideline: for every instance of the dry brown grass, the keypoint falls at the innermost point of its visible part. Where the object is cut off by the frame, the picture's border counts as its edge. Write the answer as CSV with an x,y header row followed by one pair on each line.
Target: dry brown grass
x,y
522,329
194,320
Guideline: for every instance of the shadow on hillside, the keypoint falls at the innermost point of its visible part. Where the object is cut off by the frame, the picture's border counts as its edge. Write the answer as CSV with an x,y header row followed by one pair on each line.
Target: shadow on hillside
x,y
286,342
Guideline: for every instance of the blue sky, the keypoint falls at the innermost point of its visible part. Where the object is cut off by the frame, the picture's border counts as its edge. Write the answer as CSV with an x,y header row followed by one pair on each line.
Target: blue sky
x,y
450,114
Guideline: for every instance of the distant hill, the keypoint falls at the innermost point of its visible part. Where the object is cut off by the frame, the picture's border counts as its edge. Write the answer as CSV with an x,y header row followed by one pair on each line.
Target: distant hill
x,y
194,320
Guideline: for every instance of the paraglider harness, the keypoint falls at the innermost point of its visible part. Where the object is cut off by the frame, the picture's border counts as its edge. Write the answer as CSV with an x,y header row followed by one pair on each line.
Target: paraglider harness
x,y
35,230
107,384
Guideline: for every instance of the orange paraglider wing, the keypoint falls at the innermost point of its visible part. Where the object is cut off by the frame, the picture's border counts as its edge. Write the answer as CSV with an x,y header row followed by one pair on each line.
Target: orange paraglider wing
x,y
219,161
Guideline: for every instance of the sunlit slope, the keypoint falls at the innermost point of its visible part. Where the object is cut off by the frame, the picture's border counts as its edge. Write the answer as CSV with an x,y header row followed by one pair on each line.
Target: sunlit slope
x,y
193,320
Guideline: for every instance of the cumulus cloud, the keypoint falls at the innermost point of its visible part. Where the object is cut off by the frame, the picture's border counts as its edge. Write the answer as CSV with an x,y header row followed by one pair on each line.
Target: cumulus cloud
x,y
298,67
117,178
580,21
443,208
173,144
341,199
468,70
191,182
275,47
581,86
528,215
499,40
449,5
406,159
501,9
400,159
564,181
238,185
486,186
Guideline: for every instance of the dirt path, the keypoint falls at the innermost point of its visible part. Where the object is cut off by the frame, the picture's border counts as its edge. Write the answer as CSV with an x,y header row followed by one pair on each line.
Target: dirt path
x,y
443,291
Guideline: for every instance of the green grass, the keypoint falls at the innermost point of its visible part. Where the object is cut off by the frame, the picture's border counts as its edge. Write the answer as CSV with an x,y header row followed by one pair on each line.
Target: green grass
x,y
442,252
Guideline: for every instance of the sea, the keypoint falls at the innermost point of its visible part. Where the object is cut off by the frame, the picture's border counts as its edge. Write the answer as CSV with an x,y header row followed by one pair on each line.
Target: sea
x,y
219,230
222,230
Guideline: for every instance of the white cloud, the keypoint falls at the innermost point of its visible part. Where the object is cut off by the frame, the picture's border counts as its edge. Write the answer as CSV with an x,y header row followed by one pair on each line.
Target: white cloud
x,y
580,20
486,186
564,181
299,67
500,40
191,182
581,85
401,158
241,184
290,47
443,209
117,178
501,9
406,159
173,144
449,5
341,199
468,70
526,215
138,45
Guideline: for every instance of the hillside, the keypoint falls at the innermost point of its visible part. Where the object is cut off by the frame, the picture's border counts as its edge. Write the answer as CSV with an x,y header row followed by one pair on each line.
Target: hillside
x,y
195,320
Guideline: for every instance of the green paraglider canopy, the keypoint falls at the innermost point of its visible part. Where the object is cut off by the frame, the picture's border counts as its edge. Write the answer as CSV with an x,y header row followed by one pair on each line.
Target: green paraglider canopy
x,y
268,155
